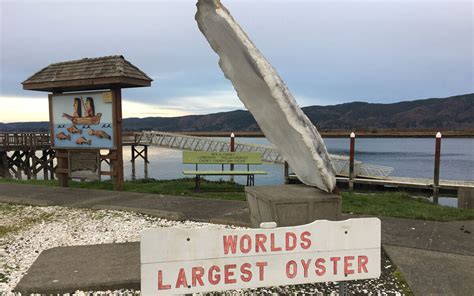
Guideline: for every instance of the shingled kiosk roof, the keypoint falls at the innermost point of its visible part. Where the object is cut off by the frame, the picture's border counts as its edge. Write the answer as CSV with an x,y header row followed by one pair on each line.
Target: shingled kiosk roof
x,y
88,74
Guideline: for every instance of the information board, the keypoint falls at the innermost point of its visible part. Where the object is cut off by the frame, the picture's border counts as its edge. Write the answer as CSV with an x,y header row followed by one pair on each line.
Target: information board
x,y
84,164
82,120
203,157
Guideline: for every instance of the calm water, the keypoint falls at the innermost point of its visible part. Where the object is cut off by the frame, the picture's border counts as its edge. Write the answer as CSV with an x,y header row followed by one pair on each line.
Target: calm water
x,y
410,157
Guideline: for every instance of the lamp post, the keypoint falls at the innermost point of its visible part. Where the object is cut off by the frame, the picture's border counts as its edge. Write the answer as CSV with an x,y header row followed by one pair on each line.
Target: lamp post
x,y
351,162
436,168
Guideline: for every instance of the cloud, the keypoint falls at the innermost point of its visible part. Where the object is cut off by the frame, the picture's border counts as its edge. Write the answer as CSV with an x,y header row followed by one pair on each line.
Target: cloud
x,y
17,109
327,52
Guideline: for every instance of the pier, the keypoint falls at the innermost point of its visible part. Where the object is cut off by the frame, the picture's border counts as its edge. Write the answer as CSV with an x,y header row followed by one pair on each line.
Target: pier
x,y
29,154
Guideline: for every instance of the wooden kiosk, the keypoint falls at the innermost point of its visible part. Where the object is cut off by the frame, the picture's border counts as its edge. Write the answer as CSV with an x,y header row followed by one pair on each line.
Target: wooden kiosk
x,y
85,112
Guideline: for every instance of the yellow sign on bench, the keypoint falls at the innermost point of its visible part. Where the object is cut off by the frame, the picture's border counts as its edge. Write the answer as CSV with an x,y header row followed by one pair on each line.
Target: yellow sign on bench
x,y
199,157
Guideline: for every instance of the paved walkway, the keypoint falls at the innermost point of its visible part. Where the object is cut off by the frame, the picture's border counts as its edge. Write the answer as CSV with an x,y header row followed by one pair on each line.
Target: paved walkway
x,y
437,258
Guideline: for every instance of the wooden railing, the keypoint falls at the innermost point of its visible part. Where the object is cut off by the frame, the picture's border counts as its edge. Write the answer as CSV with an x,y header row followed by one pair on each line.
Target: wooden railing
x,y
11,141
32,141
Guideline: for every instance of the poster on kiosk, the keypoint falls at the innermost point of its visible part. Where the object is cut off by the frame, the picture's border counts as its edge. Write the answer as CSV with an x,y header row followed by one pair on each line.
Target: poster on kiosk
x,y
82,120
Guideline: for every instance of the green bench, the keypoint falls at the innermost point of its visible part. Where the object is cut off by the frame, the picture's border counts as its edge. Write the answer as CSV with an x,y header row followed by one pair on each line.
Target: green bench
x,y
223,158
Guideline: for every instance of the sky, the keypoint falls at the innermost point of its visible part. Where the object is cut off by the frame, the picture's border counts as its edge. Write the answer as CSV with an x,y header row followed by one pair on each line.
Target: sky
x,y
327,52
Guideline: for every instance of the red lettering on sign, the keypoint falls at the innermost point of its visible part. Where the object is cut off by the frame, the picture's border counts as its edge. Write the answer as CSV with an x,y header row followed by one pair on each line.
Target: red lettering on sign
x,y
160,282
362,263
260,242
197,274
244,238
334,261
272,244
228,273
181,281
291,269
320,268
305,266
290,246
261,269
348,264
246,273
214,279
305,241
230,242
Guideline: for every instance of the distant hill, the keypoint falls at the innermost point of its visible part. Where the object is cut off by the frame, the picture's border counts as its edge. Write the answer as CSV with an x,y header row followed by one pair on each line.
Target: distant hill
x,y
452,113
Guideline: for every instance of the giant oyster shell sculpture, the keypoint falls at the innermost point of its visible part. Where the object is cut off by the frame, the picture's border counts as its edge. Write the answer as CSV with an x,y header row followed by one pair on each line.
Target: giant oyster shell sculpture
x,y
266,96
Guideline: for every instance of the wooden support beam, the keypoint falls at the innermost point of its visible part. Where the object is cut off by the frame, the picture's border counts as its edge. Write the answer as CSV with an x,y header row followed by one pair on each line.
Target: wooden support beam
x,y
62,168
133,162
117,164
4,167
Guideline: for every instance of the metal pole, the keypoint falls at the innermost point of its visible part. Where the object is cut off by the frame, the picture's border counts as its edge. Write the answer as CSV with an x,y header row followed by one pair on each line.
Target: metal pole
x,y
436,168
351,162
343,289
232,149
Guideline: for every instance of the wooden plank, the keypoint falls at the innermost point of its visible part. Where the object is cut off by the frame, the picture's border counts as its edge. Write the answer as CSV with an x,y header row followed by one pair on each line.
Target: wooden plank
x,y
86,84
62,171
200,157
107,173
111,155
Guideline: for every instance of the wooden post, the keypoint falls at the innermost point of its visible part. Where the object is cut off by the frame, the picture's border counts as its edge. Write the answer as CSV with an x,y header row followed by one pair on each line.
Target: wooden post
x,y
287,173
62,168
4,168
133,162
27,162
44,159
232,149
145,168
118,161
52,156
44,162
351,162
436,168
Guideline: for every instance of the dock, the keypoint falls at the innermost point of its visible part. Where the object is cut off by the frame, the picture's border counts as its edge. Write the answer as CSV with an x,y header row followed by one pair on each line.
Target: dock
x,y
18,153
413,183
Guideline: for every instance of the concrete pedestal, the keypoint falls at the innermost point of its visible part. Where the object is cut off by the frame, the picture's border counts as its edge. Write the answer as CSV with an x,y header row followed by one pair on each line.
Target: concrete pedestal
x,y
466,198
291,205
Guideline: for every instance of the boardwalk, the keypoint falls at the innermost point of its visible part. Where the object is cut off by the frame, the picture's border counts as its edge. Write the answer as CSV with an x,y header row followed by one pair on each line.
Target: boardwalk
x,y
412,183
23,141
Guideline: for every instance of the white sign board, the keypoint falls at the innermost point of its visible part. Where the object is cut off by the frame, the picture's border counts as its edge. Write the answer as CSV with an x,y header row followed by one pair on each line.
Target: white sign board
x,y
179,261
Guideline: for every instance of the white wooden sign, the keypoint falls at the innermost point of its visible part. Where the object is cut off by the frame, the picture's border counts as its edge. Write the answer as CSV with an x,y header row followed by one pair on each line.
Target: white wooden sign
x,y
179,261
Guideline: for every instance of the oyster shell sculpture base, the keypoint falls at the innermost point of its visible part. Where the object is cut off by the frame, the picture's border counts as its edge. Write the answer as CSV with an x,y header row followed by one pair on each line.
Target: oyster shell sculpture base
x,y
266,96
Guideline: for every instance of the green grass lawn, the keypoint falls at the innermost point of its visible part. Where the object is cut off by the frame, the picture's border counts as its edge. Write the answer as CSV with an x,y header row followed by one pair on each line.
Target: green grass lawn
x,y
390,204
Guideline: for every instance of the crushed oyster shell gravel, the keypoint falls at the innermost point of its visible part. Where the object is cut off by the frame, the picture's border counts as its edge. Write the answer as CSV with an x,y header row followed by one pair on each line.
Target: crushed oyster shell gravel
x,y
34,229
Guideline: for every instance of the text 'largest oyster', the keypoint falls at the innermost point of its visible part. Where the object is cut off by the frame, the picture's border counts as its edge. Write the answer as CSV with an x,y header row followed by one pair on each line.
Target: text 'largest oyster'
x,y
266,96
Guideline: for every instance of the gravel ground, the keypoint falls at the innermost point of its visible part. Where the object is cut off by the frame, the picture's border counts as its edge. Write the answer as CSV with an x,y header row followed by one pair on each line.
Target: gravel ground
x,y
25,231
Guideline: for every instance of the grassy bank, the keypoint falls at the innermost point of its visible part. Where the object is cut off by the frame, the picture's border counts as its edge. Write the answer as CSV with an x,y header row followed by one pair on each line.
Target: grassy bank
x,y
390,204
